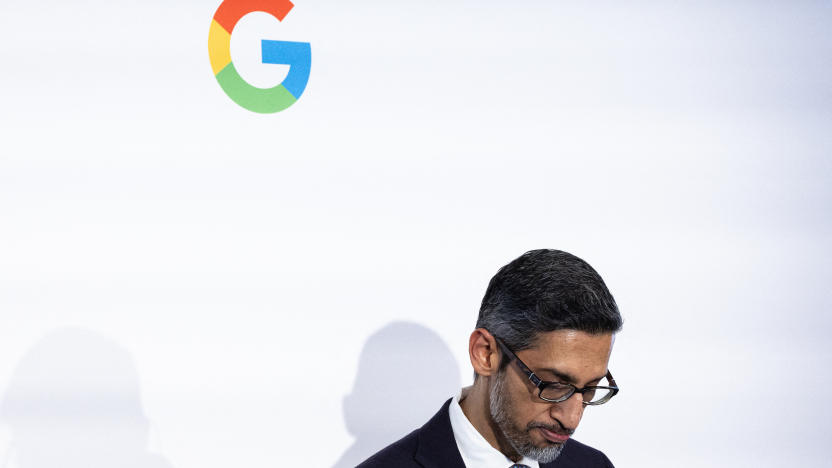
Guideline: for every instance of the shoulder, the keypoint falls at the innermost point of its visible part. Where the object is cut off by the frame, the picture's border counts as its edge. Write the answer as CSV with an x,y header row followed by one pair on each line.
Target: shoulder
x,y
580,455
433,444
399,453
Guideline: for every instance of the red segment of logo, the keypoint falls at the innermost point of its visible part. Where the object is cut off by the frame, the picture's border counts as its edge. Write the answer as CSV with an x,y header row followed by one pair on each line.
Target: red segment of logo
x,y
230,11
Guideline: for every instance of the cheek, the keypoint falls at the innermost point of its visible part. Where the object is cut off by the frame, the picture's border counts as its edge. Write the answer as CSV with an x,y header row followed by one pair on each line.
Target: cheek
x,y
531,409
524,399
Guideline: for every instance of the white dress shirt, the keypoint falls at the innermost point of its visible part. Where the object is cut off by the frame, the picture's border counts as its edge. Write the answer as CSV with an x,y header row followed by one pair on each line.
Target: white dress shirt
x,y
475,450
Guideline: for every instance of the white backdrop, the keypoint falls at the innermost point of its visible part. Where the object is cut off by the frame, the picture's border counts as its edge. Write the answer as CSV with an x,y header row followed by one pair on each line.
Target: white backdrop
x,y
239,278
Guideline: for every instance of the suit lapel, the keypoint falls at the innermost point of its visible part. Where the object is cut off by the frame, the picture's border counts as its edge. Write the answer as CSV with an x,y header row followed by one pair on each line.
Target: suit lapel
x,y
437,446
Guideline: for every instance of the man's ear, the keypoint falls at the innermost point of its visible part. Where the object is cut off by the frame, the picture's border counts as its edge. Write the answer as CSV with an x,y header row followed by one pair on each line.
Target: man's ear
x,y
482,349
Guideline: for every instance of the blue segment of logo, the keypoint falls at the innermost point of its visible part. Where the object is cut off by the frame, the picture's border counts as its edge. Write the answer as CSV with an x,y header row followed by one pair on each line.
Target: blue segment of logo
x,y
298,55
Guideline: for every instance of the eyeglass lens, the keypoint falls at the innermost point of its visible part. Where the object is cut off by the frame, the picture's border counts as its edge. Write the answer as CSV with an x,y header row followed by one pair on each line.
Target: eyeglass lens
x,y
556,392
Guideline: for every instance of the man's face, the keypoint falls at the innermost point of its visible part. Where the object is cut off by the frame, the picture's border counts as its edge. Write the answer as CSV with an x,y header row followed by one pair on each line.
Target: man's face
x,y
536,428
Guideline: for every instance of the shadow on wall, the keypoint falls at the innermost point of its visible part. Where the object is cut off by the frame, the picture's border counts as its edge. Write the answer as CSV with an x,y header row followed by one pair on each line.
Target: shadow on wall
x,y
405,373
73,402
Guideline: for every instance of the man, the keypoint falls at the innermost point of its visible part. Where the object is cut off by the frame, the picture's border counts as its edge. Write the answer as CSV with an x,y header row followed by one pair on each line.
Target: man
x,y
540,353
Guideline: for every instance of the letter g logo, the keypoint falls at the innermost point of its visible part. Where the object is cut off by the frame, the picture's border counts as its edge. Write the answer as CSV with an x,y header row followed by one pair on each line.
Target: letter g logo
x,y
298,55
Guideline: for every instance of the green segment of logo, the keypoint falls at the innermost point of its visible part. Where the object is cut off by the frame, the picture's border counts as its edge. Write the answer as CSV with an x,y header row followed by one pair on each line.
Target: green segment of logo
x,y
264,101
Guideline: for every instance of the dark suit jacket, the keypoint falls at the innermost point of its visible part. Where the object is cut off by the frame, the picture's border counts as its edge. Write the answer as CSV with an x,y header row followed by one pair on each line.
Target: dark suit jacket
x,y
433,446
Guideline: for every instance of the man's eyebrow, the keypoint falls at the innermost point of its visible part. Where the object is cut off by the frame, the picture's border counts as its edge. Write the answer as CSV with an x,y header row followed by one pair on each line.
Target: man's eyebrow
x,y
563,376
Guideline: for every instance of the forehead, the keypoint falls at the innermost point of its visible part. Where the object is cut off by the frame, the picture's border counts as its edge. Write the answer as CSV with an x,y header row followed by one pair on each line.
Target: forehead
x,y
577,353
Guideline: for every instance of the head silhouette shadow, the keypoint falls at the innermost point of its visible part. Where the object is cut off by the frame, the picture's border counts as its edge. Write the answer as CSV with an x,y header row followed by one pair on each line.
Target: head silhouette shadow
x,y
405,373
73,401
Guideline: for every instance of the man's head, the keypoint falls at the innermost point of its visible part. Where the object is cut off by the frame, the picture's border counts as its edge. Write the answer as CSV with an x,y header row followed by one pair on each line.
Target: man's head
x,y
554,314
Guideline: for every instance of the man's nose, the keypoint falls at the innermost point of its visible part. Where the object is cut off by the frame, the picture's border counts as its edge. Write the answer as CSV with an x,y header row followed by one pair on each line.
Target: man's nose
x,y
569,412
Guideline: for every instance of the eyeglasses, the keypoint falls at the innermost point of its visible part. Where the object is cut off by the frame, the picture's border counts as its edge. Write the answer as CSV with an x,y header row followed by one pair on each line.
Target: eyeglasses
x,y
557,392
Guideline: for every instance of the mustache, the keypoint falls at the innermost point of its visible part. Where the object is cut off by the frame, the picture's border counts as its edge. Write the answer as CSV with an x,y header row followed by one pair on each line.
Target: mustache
x,y
556,429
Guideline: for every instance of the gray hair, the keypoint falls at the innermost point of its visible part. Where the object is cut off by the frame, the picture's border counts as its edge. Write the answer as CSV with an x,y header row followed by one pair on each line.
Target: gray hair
x,y
546,290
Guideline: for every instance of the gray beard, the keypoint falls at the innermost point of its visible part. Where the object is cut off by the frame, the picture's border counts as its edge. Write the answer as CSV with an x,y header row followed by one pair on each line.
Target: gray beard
x,y
501,410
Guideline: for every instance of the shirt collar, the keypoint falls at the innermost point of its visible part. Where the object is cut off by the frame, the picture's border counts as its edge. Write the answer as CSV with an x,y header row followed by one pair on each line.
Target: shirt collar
x,y
475,450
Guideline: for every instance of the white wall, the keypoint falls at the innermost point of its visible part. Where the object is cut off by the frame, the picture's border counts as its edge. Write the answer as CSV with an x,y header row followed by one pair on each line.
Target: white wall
x,y
236,264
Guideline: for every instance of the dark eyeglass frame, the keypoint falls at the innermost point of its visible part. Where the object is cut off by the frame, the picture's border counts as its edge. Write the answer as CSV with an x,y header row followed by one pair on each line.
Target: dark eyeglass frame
x,y
542,384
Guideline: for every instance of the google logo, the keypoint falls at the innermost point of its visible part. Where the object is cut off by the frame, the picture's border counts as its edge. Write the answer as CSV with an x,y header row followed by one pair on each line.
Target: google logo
x,y
298,55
